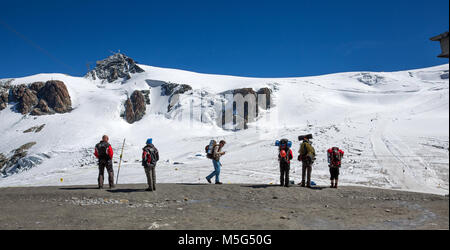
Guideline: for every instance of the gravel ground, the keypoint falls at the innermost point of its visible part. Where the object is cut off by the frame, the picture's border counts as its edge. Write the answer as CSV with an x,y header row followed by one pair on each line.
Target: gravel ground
x,y
234,206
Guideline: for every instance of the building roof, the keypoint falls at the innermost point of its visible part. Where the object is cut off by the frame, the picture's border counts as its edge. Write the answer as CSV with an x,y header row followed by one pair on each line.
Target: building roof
x,y
439,37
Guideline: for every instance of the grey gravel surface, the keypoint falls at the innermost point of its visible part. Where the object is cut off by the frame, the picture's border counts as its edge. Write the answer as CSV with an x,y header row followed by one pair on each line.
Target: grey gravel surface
x,y
208,206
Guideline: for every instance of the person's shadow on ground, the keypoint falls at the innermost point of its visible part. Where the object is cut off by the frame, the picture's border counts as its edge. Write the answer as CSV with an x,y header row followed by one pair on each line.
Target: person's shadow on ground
x,y
127,190
79,188
276,185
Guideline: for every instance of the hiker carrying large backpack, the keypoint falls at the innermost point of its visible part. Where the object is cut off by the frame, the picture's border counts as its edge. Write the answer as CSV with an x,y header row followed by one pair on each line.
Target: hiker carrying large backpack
x,y
213,152
334,156
104,153
150,156
307,156
284,157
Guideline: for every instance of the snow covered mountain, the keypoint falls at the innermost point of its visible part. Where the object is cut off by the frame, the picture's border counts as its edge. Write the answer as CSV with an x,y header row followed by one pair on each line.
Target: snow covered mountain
x,y
393,126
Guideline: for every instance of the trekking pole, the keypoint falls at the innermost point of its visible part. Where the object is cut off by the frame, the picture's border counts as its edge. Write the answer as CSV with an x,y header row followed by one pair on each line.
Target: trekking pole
x,y
120,161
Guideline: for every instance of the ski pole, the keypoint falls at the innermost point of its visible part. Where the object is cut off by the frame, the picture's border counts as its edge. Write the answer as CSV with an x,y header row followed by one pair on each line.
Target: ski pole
x,y
120,161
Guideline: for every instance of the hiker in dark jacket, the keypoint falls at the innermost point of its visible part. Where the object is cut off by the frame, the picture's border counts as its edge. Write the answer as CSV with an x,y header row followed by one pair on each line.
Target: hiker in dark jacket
x,y
217,153
307,155
104,154
150,156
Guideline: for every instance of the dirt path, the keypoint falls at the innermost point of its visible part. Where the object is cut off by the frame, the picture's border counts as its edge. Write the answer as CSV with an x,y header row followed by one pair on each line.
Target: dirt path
x,y
237,206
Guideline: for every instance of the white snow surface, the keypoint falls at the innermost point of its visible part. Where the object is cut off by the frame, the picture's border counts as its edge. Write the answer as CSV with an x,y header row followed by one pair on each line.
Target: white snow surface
x,y
393,127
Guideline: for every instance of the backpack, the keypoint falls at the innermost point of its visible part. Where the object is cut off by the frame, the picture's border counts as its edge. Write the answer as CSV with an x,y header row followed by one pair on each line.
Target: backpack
x,y
335,156
209,149
102,150
307,152
284,159
149,157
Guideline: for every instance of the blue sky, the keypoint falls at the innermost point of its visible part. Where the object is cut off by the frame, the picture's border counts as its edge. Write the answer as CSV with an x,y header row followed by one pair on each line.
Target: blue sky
x,y
245,38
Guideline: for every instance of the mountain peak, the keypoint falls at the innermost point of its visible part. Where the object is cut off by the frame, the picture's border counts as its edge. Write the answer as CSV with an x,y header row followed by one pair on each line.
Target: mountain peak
x,y
117,66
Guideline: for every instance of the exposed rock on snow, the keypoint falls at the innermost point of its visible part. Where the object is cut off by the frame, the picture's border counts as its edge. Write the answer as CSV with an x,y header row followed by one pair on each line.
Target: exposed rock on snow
x,y
38,98
370,79
3,99
18,160
135,107
56,97
35,129
26,97
173,89
114,67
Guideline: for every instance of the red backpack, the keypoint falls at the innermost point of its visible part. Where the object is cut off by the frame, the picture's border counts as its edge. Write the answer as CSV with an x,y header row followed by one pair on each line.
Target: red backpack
x,y
335,156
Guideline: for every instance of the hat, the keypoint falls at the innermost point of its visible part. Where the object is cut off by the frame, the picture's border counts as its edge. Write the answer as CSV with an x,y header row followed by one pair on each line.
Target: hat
x,y
149,141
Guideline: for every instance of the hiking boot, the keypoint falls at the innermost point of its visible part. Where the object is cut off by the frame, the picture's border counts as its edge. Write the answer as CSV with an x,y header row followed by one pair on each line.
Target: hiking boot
x,y
302,184
219,183
209,180
149,189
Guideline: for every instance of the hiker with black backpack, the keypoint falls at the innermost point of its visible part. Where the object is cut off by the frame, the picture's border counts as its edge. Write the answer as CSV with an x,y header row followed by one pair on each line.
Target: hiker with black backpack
x,y
150,156
334,156
104,154
213,152
307,156
284,157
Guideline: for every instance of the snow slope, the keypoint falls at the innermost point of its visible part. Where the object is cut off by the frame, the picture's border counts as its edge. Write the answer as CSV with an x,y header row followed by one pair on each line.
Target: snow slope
x,y
393,127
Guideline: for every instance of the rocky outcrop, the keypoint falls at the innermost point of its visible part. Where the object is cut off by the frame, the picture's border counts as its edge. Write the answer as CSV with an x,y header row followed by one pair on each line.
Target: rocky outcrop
x,y
39,98
3,99
170,89
370,79
173,89
117,66
35,129
13,162
54,95
135,107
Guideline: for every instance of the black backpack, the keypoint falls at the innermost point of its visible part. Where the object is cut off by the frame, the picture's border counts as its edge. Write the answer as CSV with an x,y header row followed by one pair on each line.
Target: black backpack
x,y
151,157
102,148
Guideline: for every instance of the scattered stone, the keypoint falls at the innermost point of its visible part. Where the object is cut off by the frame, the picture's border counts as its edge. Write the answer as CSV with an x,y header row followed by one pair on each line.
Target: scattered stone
x,y
153,226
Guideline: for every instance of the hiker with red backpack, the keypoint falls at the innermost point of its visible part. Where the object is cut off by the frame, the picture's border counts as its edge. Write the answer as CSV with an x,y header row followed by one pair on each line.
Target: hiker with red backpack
x,y
150,156
284,157
104,153
334,155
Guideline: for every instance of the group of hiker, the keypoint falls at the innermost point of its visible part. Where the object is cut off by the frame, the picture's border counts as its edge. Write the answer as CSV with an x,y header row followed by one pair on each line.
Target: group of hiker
x,y
104,153
150,156
307,156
